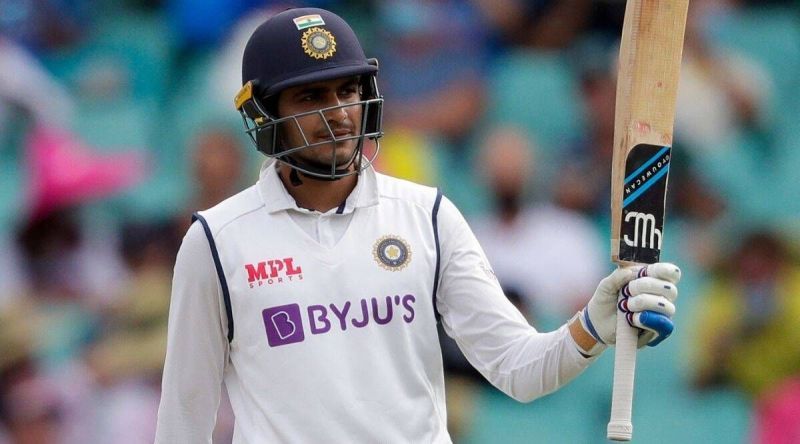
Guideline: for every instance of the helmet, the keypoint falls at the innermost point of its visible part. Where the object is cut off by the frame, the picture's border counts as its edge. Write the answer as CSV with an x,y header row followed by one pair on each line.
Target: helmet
x,y
296,47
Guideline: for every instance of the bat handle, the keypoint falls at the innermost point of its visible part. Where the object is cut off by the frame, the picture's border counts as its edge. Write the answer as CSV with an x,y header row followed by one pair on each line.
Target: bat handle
x,y
620,427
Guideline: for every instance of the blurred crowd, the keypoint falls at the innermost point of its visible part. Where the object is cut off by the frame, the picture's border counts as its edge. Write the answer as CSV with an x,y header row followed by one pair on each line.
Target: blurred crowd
x,y
117,122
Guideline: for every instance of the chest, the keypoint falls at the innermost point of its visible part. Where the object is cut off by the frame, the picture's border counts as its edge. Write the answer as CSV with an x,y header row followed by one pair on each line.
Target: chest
x,y
283,282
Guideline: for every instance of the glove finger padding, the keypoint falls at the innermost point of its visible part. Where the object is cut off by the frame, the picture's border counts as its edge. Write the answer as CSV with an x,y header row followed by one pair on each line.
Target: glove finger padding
x,y
662,270
651,312
654,286
655,327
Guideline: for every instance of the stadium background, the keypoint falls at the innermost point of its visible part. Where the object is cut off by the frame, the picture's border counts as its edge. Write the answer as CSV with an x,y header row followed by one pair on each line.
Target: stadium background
x,y
116,121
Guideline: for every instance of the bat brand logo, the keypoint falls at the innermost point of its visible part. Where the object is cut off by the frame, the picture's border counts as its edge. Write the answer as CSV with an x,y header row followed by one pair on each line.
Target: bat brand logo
x,y
273,271
645,233
284,323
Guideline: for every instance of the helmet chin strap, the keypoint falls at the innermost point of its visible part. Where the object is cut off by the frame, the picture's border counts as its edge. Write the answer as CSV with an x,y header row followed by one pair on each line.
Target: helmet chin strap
x,y
294,178
294,175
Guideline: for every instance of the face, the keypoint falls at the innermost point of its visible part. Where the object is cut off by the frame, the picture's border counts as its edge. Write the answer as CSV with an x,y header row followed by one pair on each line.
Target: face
x,y
217,162
344,122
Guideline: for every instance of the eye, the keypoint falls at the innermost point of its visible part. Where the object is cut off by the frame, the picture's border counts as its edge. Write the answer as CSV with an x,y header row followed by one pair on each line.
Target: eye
x,y
349,90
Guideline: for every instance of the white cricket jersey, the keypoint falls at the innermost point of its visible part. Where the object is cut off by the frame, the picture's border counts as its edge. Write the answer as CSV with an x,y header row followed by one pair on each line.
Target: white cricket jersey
x,y
323,326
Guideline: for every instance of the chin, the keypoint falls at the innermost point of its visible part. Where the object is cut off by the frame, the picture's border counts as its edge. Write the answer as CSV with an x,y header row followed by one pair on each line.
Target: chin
x,y
325,154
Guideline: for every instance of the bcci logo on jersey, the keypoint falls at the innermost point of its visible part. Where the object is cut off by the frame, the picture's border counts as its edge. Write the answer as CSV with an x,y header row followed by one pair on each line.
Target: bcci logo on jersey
x,y
392,253
273,271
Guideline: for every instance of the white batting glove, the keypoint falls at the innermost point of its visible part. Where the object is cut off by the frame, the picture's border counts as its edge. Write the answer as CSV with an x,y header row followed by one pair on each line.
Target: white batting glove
x,y
649,293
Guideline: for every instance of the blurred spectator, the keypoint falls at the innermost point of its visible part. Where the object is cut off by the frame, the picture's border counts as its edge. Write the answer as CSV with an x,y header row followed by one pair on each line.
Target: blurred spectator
x,y
72,271
540,24
45,24
524,243
32,406
746,332
777,413
217,166
31,409
11,278
432,55
127,358
64,172
225,76
583,183
411,155
25,85
556,25
202,24
699,210
64,255
720,93
133,342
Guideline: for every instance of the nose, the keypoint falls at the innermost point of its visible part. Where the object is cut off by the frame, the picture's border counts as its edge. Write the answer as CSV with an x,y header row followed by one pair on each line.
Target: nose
x,y
339,112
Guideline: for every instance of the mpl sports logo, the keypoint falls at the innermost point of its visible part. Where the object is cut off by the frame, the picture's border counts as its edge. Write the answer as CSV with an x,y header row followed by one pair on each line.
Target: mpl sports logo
x,y
273,271
288,324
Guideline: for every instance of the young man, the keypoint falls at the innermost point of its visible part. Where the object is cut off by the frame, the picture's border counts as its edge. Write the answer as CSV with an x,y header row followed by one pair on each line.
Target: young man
x,y
315,293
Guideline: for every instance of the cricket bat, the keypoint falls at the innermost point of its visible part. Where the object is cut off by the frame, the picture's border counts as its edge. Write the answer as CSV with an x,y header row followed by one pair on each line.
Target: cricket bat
x,y
647,86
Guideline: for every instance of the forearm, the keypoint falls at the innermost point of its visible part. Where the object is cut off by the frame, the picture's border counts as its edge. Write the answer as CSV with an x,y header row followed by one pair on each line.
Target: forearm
x,y
538,365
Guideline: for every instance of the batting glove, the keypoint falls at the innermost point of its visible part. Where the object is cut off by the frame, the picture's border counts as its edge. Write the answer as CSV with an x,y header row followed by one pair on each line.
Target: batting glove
x,y
648,296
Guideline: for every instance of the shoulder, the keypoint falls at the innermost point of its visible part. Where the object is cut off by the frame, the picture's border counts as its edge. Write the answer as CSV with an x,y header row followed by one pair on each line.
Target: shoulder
x,y
394,188
231,209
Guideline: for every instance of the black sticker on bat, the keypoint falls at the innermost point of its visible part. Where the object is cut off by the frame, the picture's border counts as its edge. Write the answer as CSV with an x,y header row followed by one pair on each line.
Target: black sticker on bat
x,y
643,199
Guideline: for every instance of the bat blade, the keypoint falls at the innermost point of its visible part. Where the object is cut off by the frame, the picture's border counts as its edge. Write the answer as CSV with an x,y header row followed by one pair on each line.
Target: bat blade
x,y
647,84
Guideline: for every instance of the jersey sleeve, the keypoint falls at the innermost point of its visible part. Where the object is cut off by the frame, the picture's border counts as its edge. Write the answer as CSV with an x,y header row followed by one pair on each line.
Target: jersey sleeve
x,y
493,335
197,346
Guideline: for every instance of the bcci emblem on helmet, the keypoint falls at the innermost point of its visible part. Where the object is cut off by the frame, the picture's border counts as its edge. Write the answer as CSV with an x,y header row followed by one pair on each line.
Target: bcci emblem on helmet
x,y
318,43
392,253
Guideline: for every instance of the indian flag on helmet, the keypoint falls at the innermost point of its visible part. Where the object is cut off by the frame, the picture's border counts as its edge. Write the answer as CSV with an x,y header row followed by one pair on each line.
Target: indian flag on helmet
x,y
308,21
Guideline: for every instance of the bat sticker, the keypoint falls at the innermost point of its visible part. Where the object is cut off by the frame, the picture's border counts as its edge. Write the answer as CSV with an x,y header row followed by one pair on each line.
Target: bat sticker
x,y
644,193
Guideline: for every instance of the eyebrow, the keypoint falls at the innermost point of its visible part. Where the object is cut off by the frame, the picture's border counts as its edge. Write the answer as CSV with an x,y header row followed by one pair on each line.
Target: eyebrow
x,y
321,89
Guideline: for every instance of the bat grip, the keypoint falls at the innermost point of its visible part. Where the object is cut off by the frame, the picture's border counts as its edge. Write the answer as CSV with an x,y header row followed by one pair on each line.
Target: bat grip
x,y
620,427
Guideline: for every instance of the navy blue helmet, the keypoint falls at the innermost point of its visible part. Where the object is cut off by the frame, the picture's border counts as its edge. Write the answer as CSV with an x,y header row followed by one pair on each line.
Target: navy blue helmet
x,y
296,47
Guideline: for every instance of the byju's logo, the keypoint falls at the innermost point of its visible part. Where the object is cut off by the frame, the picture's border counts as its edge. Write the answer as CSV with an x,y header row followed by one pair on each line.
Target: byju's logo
x,y
283,325
273,271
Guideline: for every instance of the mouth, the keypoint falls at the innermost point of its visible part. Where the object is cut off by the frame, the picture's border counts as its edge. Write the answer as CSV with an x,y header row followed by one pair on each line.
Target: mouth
x,y
338,133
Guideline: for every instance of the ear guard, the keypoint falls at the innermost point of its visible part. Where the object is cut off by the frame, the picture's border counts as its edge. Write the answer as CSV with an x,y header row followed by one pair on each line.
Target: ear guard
x,y
255,116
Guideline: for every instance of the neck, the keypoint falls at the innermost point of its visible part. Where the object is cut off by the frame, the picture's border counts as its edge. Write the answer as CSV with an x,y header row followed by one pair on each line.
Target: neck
x,y
318,195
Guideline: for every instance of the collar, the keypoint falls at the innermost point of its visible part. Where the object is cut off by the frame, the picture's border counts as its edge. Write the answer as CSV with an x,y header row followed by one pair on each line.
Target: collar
x,y
276,198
